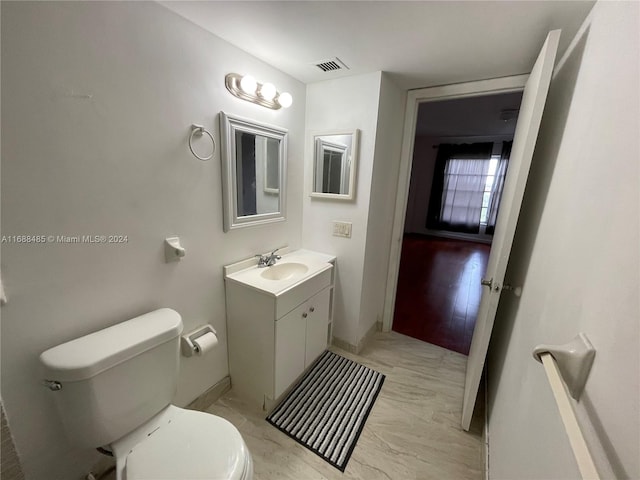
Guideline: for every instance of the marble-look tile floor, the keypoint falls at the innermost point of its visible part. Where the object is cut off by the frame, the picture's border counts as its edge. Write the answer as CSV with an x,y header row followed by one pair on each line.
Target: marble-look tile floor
x,y
413,431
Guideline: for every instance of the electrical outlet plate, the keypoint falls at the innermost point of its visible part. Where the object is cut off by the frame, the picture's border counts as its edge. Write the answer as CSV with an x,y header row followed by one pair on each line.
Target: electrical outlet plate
x,y
341,229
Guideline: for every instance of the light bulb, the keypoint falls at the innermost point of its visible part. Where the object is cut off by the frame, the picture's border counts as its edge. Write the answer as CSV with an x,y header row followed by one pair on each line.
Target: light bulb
x,y
248,84
285,100
268,91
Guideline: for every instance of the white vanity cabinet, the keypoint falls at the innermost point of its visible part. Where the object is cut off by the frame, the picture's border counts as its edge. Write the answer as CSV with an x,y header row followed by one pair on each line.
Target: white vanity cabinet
x,y
301,336
274,336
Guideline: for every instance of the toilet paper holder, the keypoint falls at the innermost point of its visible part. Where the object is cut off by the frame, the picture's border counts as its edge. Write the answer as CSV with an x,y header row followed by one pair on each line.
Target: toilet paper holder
x,y
188,347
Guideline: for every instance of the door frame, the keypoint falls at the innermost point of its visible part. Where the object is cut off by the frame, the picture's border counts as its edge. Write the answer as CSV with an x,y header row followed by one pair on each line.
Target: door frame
x,y
492,86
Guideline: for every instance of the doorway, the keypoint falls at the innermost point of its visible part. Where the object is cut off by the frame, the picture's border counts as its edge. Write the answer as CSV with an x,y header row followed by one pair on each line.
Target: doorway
x,y
461,148
535,87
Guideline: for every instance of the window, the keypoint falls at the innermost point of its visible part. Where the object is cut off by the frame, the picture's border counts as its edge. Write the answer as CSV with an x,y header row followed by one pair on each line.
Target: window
x,y
464,184
467,186
488,188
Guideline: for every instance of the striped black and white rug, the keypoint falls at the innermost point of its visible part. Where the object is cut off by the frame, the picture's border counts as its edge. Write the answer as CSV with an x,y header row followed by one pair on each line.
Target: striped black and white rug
x,y
328,408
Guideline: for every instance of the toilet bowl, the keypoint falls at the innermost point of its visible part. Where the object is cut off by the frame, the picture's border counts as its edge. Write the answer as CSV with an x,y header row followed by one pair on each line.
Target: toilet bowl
x,y
186,445
113,389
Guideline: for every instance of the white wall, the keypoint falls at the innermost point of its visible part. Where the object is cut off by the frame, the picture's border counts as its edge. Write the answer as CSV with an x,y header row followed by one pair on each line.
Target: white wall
x,y
343,104
382,203
98,98
375,105
576,253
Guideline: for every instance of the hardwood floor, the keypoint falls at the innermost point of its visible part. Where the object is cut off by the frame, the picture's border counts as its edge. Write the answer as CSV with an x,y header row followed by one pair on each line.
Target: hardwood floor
x,y
439,290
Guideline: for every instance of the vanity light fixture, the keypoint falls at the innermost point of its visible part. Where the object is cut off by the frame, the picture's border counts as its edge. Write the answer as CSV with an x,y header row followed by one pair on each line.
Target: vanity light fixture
x,y
247,88
285,99
267,91
248,85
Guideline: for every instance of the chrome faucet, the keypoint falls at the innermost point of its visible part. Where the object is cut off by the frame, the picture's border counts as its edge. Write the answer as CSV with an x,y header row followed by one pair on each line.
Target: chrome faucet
x,y
268,260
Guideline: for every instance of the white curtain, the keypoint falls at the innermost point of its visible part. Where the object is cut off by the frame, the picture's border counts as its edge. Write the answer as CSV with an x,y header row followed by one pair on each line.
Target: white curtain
x,y
464,182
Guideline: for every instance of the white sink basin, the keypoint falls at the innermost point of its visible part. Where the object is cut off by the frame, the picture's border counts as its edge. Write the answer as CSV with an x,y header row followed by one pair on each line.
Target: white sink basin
x,y
284,271
294,268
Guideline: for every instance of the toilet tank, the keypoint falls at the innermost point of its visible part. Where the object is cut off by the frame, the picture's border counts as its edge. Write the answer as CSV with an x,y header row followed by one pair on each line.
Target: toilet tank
x,y
114,380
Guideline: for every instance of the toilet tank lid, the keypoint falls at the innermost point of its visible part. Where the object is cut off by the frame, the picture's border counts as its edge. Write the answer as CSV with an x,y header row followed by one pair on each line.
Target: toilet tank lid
x,y
92,354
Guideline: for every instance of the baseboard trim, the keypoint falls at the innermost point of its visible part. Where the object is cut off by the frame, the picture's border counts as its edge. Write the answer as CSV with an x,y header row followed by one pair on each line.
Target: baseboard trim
x,y
343,345
470,237
356,349
376,327
208,398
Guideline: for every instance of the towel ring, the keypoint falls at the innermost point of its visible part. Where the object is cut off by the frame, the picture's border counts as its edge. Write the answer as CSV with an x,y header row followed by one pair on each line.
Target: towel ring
x,y
199,129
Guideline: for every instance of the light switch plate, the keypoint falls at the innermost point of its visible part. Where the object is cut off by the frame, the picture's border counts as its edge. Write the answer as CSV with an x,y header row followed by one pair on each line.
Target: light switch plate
x,y
341,229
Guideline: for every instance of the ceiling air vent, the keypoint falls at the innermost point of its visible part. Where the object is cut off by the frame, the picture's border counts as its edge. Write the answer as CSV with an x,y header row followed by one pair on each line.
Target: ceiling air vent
x,y
331,65
508,114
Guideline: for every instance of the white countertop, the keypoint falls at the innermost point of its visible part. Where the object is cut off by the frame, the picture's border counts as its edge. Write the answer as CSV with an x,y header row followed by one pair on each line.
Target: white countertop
x,y
247,272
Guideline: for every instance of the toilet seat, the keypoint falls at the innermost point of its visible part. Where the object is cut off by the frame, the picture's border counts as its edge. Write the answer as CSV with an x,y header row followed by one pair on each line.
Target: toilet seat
x,y
190,446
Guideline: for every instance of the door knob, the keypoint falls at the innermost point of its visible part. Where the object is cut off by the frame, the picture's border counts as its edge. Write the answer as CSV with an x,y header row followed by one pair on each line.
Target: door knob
x,y
489,283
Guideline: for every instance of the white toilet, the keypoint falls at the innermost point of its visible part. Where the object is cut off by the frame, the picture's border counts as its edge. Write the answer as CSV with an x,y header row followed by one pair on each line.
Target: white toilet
x,y
113,389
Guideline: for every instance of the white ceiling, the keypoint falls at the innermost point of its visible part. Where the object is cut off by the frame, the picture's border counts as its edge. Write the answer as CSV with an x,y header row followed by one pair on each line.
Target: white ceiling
x,y
422,43
473,116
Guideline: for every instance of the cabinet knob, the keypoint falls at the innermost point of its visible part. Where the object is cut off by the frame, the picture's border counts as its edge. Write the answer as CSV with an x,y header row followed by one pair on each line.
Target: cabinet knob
x,y
312,309
304,315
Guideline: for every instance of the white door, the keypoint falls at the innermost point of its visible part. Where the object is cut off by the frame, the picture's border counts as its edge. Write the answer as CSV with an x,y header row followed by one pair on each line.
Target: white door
x,y
524,141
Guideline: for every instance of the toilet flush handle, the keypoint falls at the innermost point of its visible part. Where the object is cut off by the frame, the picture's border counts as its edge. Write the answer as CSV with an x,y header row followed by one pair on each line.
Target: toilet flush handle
x,y
52,385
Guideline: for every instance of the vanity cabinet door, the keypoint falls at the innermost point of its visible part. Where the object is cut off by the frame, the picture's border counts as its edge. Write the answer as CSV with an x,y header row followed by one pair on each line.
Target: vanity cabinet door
x,y
317,325
290,348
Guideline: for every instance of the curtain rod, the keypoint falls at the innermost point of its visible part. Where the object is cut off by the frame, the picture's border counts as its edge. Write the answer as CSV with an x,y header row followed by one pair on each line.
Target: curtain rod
x,y
510,138
510,135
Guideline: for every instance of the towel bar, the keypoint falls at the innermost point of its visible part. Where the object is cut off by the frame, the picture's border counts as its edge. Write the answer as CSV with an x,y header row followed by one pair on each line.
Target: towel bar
x,y
574,359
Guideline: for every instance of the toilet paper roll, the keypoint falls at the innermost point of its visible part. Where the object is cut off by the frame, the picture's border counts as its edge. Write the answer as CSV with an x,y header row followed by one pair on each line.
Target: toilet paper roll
x,y
205,343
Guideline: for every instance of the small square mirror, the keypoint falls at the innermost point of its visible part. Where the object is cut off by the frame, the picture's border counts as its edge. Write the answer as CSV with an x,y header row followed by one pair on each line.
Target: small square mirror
x,y
334,164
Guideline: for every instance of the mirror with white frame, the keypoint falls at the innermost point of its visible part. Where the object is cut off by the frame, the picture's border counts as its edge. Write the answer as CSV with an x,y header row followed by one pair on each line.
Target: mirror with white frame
x,y
254,157
334,164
